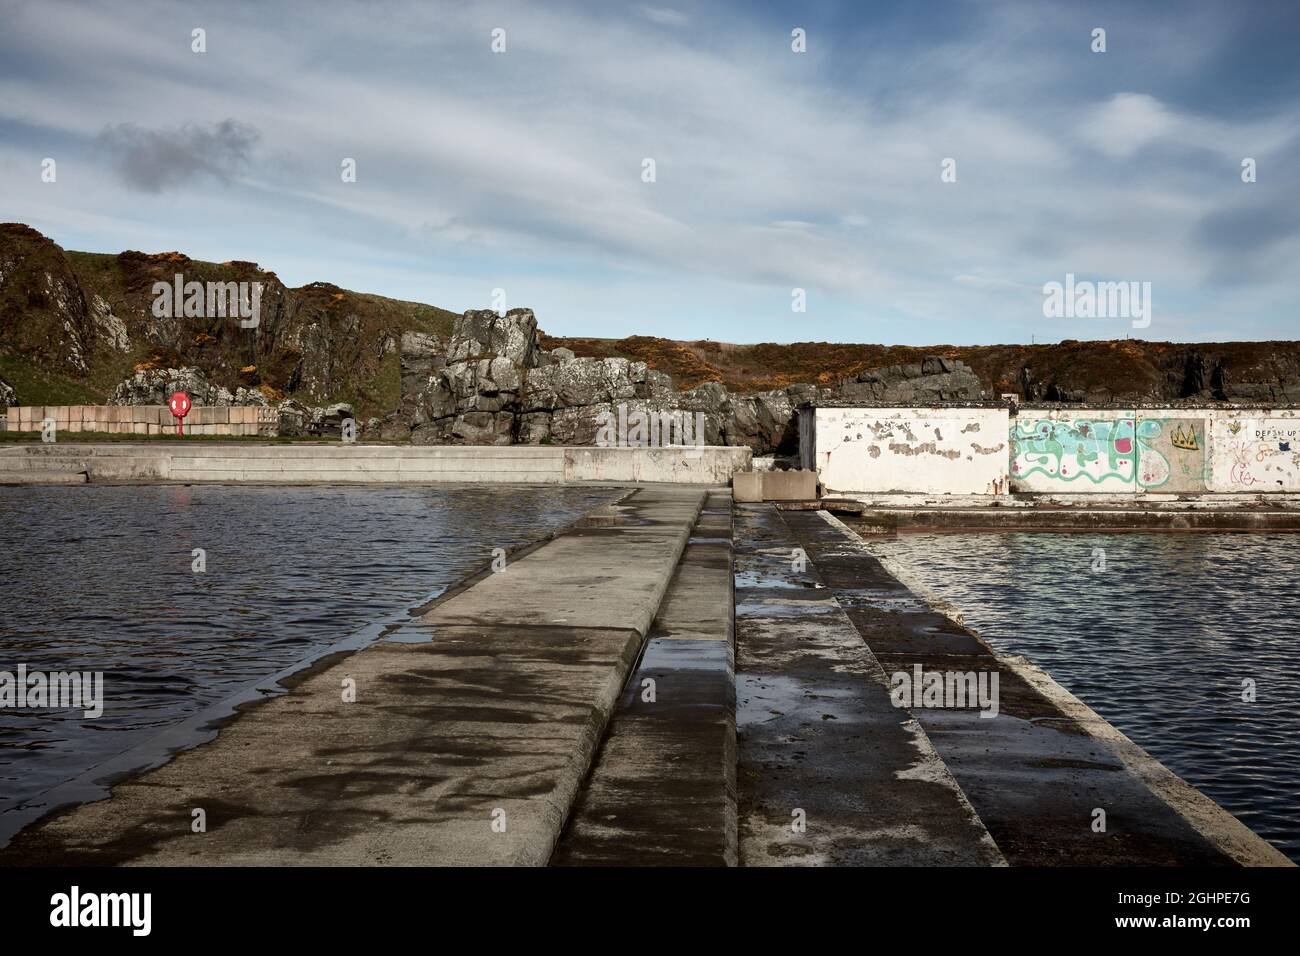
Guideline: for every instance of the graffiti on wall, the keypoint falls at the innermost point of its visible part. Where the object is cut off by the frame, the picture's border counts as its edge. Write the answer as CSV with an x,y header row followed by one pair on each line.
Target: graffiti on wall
x,y
1172,454
1259,455
1084,451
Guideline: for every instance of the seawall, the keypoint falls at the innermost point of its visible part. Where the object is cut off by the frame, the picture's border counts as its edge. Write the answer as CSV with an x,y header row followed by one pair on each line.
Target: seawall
x,y
342,462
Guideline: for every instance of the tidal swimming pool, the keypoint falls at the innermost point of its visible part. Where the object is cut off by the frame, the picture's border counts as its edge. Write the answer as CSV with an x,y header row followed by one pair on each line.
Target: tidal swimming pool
x,y
1161,634
102,579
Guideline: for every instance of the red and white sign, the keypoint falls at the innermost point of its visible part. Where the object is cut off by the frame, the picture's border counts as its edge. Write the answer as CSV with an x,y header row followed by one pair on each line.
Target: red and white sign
x,y
179,404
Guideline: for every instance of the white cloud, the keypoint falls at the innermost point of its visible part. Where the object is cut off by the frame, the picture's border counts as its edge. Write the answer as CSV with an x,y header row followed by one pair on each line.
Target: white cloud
x,y
773,170
665,16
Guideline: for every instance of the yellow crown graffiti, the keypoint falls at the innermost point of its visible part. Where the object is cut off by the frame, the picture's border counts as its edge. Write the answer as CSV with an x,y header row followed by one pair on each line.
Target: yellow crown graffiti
x,y
1185,439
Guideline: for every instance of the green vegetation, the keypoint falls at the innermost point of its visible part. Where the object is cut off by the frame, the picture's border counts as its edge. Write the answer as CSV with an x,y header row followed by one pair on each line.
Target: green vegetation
x,y
38,386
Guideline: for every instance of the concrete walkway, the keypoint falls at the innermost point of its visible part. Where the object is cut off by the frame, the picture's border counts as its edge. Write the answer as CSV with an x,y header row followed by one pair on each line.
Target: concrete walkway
x,y
1037,772
663,788
830,773
466,749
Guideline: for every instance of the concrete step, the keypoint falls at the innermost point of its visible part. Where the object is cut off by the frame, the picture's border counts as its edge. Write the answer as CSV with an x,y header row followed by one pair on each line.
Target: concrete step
x,y
1038,770
662,790
466,749
830,772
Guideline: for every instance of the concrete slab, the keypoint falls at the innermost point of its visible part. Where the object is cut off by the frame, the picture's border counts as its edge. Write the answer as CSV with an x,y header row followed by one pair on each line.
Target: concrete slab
x,y
754,486
830,772
663,788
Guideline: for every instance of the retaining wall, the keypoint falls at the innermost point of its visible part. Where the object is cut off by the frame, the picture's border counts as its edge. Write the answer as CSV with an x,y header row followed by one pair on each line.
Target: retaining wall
x,y
146,419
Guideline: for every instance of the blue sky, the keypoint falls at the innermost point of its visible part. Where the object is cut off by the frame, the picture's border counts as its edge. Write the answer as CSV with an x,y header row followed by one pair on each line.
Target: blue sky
x,y
775,170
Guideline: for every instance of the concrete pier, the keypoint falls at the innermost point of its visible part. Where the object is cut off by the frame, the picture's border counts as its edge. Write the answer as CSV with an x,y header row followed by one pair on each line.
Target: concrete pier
x,y
830,773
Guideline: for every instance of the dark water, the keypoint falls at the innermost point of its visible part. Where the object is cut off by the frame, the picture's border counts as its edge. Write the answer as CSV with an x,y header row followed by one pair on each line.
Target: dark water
x,y
1159,643
100,579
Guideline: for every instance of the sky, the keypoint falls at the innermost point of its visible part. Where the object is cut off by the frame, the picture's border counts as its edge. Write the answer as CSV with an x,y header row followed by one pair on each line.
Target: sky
x,y
774,170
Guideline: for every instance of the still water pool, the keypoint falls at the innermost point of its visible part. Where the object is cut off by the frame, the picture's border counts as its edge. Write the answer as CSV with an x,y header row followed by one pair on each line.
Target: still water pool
x,y
1162,643
101,578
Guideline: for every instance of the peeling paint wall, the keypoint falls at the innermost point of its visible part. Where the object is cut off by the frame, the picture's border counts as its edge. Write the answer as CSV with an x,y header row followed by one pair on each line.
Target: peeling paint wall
x,y
958,451
991,451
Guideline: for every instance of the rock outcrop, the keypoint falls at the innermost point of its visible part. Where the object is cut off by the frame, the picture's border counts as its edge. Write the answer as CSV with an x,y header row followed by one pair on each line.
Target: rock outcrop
x,y
931,380
492,383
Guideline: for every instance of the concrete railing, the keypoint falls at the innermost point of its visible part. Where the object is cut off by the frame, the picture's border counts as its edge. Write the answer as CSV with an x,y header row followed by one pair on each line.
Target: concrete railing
x,y
145,419
996,450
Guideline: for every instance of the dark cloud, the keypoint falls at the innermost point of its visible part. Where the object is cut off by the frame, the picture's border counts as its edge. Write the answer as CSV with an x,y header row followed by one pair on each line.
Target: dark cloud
x,y
153,160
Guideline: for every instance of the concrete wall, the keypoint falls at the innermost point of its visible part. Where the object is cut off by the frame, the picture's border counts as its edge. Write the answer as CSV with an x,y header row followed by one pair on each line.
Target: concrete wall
x,y
1165,451
1254,453
1073,451
1060,451
924,450
343,462
146,419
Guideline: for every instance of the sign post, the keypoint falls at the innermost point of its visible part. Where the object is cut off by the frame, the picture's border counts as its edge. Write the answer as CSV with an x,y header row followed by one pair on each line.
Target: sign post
x,y
179,404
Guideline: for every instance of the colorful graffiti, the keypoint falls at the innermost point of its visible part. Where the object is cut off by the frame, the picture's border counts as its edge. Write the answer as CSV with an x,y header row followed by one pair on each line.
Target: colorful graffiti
x,y
1172,455
1101,451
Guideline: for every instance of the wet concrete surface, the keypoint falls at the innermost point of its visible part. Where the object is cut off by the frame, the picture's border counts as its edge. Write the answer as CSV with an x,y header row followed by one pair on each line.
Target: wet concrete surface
x,y
1035,773
466,749
662,789
829,772
1243,517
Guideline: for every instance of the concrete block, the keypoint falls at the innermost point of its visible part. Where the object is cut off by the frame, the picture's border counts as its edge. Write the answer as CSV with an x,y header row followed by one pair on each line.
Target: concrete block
x,y
752,486
747,486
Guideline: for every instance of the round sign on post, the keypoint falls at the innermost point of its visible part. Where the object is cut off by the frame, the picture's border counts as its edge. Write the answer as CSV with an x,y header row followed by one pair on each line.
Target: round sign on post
x,y
179,404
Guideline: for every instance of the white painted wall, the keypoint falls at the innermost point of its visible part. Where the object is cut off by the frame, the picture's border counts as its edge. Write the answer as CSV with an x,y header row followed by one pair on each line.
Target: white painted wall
x,y
1254,452
957,451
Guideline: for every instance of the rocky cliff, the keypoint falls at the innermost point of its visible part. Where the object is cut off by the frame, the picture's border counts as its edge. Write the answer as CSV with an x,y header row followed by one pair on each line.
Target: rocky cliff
x,y
74,326
80,327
